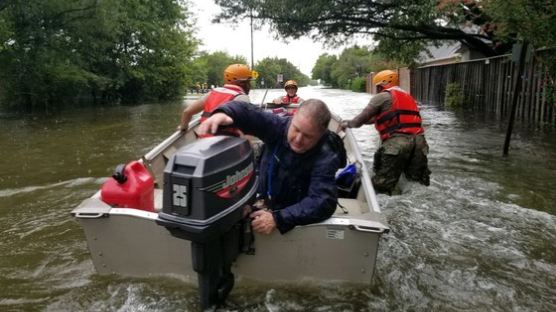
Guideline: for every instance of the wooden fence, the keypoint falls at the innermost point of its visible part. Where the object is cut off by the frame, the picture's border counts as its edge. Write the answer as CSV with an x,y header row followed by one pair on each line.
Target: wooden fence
x,y
487,86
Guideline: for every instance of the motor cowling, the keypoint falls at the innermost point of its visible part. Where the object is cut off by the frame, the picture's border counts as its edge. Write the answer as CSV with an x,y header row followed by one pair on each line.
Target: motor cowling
x,y
206,187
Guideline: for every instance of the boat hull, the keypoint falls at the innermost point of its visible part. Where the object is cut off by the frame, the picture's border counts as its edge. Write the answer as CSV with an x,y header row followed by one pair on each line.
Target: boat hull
x,y
128,242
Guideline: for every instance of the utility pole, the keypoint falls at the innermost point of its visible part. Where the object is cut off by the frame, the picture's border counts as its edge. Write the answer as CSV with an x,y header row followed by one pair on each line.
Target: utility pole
x,y
519,57
252,58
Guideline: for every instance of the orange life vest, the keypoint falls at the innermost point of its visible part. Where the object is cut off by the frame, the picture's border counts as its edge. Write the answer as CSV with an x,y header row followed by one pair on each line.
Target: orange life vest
x,y
217,97
290,100
402,117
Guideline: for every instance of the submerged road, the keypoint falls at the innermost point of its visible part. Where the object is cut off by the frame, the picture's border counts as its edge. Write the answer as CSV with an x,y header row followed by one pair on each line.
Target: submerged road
x,y
482,237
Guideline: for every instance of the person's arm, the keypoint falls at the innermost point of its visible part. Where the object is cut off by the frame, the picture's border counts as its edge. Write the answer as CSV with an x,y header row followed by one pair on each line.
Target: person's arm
x,y
321,199
277,100
251,120
210,126
374,108
191,110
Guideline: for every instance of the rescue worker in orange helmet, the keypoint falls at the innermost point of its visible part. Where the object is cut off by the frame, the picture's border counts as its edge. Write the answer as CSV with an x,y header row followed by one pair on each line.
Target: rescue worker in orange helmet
x,y
403,146
291,96
237,84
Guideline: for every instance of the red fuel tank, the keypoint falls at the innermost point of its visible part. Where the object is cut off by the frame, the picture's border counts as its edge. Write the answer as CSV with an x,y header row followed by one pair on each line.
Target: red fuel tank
x,y
131,186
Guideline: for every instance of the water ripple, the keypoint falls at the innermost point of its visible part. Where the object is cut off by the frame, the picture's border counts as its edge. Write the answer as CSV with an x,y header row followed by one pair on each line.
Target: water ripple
x,y
68,183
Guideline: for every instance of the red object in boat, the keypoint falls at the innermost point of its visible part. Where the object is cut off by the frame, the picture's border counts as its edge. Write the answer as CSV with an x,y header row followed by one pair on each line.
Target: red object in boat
x,y
131,186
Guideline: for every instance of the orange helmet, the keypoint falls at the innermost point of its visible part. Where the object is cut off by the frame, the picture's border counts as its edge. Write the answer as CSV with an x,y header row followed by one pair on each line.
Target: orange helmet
x,y
237,72
386,79
290,83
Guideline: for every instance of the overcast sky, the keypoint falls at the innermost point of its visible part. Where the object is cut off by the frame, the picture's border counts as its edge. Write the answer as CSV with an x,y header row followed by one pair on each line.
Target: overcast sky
x,y
302,53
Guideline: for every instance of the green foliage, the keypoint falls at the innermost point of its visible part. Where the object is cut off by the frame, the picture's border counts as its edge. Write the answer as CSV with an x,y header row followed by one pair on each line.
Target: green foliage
x,y
359,84
65,51
524,19
402,27
269,68
453,97
353,62
350,69
323,69
212,67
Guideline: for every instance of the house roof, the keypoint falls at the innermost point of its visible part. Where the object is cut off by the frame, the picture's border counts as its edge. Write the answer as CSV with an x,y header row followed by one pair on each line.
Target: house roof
x,y
449,49
446,50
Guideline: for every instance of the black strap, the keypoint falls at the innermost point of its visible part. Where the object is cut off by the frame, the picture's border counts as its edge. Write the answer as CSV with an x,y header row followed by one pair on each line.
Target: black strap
x,y
344,209
206,114
396,113
395,127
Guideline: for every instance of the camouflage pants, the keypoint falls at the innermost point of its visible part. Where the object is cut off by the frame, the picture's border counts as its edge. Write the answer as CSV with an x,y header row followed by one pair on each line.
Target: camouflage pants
x,y
401,154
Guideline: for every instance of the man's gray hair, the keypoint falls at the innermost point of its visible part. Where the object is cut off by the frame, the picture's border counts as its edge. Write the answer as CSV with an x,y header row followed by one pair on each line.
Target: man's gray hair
x,y
317,111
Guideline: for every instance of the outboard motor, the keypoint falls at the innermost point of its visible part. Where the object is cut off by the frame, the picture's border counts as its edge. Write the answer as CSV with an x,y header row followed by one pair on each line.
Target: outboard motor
x,y
206,186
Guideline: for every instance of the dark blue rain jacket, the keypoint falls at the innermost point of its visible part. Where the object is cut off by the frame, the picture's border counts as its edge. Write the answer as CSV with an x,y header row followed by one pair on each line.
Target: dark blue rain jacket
x,y
300,188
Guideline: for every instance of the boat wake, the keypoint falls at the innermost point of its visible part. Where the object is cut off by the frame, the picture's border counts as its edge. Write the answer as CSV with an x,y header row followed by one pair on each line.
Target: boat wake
x,y
69,183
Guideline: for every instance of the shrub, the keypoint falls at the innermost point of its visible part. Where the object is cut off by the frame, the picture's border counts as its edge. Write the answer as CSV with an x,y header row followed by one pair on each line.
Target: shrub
x,y
358,84
453,97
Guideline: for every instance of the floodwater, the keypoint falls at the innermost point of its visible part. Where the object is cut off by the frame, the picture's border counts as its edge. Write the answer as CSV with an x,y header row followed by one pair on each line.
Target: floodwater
x,y
482,237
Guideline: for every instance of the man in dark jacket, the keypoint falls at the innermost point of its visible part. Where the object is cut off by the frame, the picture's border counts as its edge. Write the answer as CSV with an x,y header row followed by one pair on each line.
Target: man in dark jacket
x,y
297,167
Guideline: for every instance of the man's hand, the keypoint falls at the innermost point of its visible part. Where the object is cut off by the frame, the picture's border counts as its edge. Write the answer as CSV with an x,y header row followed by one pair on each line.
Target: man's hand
x,y
277,101
210,126
192,109
263,222
344,124
185,120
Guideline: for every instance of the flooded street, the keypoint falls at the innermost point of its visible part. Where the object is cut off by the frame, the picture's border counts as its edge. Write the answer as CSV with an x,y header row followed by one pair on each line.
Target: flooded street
x,y
482,237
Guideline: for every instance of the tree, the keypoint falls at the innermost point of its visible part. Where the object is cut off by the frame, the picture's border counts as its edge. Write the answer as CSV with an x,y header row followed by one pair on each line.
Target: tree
x,y
323,68
214,65
349,70
353,62
66,51
532,20
146,46
270,68
406,22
